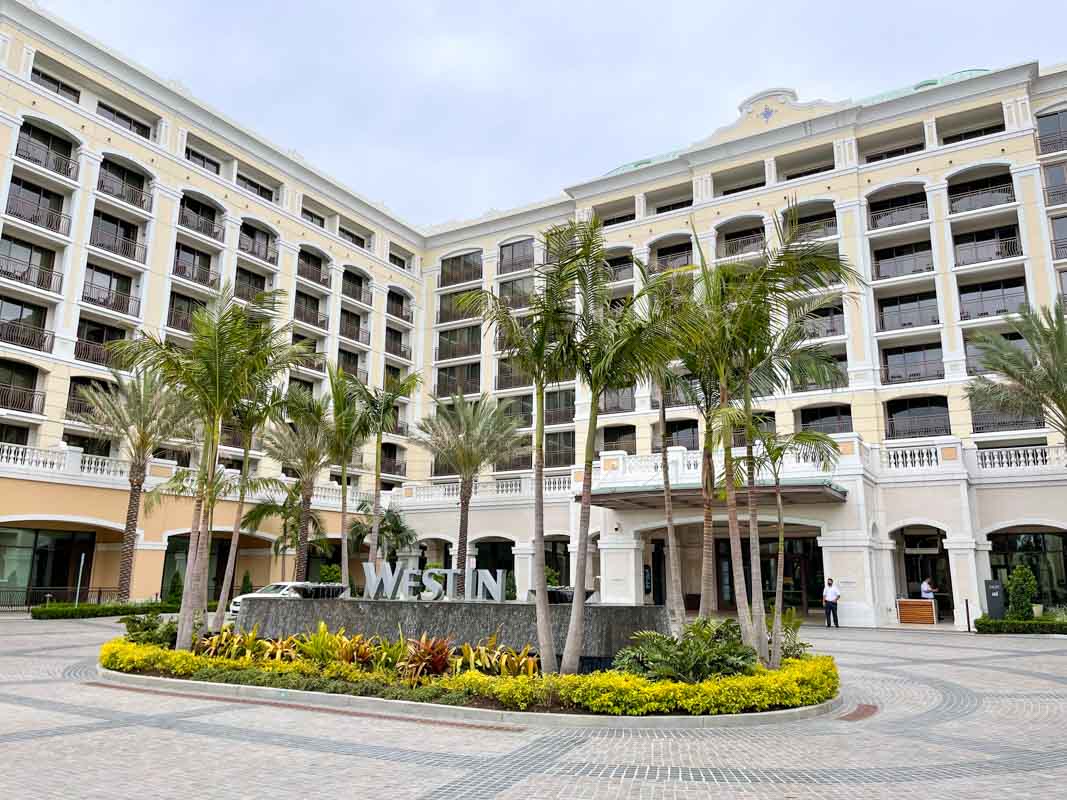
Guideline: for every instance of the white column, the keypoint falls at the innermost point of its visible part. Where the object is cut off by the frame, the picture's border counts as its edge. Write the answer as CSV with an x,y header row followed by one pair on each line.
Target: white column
x,y
523,554
930,133
640,206
770,168
954,356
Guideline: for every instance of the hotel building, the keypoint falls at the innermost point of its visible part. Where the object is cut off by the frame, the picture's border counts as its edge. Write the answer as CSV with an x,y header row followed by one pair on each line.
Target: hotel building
x,y
127,204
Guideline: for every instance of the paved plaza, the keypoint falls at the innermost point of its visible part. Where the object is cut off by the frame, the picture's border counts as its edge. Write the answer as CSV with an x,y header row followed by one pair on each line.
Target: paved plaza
x,y
931,715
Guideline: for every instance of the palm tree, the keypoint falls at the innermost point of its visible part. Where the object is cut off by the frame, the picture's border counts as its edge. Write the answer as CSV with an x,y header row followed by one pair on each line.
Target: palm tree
x,y
379,417
534,344
612,345
144,413
349,431
1029,377
394,533
465,437
233,346
288,510
303,444
811,447
247,418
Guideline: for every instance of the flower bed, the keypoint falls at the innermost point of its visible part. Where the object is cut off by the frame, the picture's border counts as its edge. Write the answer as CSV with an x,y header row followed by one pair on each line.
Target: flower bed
x,y
801,682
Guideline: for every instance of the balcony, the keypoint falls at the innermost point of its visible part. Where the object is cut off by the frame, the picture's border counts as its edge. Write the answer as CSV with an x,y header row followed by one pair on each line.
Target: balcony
x,y
449,385
119,245
257,248
30,275
42,156
19,398
77,406
354,332
992,250
115,187
899,215
899,266
823,326
400,311
1056,195
28,336
198,274
112,300
394,466
523,461
522,419
559,416
232,437
464,273
311,316
397,348
916,427
917,314
313,272
445,315
1051,143
622,272
1059,249
669,261
617,401
358,292
245,291
1026,460
512,379
93,352
994,421
29,211
829,425
981,198
689,439
742,246
202,225
400,428
179,320
559,457
627,444
462,349
924,370
990,304
817,229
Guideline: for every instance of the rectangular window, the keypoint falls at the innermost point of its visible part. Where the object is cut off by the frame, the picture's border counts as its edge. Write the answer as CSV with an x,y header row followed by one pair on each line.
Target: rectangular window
x,y
516,256
25,253
255,187
248,284
17,312
398,261
677,204
106,280
55,85
975,133
123,120
313,218
619,219
201,160
895,152
352,238
30,194
98,333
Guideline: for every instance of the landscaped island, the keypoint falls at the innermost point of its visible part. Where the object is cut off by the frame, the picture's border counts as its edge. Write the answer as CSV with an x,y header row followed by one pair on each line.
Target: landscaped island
x,y
706,671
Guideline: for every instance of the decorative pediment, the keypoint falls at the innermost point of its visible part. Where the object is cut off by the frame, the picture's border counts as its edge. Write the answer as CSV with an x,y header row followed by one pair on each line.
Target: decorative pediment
x,y
772,108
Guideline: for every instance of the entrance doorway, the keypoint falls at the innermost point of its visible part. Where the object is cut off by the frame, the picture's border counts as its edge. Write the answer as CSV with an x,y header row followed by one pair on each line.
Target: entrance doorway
x,y
803,572
659,573
925,557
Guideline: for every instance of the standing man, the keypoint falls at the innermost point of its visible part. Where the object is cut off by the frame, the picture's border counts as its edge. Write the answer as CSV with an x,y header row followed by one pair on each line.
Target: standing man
x,y
830,596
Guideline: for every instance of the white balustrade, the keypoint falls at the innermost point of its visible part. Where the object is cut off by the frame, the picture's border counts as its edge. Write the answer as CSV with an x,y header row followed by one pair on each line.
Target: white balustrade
x,y
1039,458
104,467
32,459
910,458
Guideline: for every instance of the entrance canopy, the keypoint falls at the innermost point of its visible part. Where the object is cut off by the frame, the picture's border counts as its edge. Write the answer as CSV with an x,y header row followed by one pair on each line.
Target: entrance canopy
x,y
688,495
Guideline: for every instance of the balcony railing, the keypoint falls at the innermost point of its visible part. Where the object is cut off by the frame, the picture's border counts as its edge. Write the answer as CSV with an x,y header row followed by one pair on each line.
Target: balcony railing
x,y
77,406
559,416
447,385
817,229
523,419
1033,458
981,198
899,215
744,245
559,457
31,275
400,428
311,316
669,261
987,305
820,327
42,156
358,292
923,313
263,250
831,425
926,370
112,300
689,439
617,401
43,216
354,332
1052,143
462,349
203,225
622,272
315,273
990,421
28,336
915,427
400,311
897,266
179,320
197,274
464,274
452,314
93,352
19,398
232,437
127,193
1056,195
992,250
246,291
626,443
394,466
523,461
1059,248
816,385
399,349
120,245
512,379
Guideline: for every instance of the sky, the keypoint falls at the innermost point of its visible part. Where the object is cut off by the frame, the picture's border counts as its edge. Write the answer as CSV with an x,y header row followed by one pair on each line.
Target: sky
x,y
446,110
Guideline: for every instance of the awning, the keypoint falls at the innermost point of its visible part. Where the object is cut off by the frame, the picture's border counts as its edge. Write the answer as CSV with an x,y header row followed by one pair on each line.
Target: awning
x,y
687,495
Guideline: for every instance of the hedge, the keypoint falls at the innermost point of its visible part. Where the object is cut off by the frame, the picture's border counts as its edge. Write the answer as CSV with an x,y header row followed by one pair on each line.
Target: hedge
x,y
802,682
986,625
86,610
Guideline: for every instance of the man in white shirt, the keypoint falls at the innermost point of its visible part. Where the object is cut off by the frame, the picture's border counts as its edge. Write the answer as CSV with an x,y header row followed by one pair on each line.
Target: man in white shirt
x,y
830,595
927,590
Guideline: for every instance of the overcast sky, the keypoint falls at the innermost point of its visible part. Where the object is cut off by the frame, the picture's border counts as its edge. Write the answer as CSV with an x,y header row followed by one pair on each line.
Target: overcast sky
x,y
444,110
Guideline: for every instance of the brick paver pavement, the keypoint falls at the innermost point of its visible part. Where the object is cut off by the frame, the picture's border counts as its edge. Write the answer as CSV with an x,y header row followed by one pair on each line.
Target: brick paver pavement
x,y
955,716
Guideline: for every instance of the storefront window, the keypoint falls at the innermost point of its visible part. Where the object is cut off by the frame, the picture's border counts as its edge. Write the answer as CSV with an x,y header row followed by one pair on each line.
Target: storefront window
x,y
1045,553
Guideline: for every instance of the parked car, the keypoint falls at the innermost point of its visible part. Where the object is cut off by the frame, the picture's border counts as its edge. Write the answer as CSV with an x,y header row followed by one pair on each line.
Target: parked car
x,y
291,590
282,589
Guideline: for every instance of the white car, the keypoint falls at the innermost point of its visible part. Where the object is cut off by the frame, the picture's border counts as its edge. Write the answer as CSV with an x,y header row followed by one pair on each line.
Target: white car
x,y
283,589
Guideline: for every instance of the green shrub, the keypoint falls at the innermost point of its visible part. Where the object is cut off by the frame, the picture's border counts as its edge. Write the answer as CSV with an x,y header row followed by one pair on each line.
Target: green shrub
x,y
1040,625
1022,589
552,576
86,610
330,573
246,583
706,649
151,629
175,589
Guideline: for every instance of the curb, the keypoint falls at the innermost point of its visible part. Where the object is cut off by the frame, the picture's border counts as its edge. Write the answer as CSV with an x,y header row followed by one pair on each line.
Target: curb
x,y
458,714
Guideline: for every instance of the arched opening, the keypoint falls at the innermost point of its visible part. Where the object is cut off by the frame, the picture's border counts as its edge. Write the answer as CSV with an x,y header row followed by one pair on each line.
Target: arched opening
x,y
743,236
899,204
558,560
313,265
253,556
922,558
680,433
911,417
830,418
258,240
620,261
202,214
47,145
125,180
435,553
816,219
1041,548
674,251
979,187
617,438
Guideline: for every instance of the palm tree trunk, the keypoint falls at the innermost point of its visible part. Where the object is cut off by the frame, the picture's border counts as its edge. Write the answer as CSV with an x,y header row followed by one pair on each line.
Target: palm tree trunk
x,y
345,581
545,642
708,576
194,567
300,571
376,508
736,563
675,603
776,634
759,616
572,648
235,541
129,533
466,489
